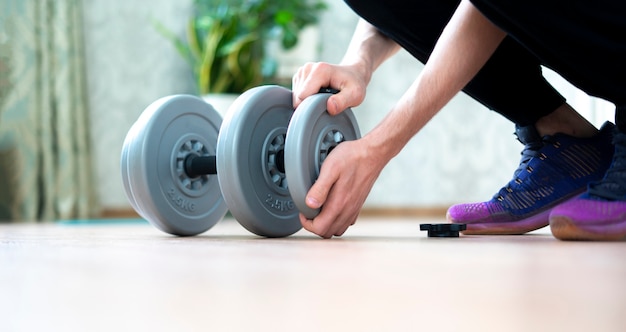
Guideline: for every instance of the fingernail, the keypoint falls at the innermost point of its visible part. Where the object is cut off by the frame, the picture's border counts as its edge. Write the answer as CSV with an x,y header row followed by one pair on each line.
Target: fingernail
x,y
337,110
312,202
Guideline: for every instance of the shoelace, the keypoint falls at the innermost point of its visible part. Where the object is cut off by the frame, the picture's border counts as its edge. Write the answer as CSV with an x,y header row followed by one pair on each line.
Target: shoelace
x,y
613,185
531,150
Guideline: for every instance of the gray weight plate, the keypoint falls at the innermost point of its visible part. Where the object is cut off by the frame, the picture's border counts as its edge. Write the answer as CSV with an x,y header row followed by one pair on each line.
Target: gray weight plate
x,y
250,166
312,135
124,167
155,182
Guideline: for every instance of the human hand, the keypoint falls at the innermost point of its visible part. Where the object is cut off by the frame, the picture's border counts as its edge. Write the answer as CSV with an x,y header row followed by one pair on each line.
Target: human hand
x,y
346,178
351,81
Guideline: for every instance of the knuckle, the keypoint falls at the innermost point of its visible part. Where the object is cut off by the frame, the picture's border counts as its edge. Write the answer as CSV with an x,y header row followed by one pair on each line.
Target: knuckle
x,y
320,67
319,191
309,64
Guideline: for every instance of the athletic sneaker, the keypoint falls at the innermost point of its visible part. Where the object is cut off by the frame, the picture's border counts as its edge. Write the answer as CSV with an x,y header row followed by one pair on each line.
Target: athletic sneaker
x,y
600,213
553,169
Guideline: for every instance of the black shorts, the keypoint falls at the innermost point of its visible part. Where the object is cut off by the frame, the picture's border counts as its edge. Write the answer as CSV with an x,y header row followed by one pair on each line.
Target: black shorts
x,y
511,82
583,40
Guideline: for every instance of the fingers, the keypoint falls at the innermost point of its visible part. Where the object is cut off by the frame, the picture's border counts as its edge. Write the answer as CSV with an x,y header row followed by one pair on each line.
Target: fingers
x,y
334,104
308,81
339,212
318,193
311,77
334,220
316,197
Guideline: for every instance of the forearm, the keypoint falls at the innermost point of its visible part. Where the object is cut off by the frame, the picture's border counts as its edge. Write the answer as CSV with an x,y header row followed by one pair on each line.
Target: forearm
x,y
465,45
368,49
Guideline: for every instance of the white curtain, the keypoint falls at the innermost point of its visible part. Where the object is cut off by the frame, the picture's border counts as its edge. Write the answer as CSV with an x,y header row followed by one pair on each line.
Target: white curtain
x,y
45,169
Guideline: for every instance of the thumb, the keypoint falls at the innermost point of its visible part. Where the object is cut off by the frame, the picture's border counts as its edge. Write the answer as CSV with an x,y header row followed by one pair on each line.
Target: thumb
x,y
317,195
335,104
342,100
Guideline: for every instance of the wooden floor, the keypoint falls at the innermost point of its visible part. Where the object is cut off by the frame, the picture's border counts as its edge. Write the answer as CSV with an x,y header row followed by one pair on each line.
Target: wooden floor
x,y
383,275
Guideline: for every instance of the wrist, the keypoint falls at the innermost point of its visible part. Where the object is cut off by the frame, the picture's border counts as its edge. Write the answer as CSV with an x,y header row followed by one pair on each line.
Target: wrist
x,y
361,67
378,148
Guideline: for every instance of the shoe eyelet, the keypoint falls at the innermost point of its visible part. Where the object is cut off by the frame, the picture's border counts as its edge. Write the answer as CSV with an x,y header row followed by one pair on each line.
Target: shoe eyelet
x,y
556,144
509,190
518,181
543,156
500,198
529,169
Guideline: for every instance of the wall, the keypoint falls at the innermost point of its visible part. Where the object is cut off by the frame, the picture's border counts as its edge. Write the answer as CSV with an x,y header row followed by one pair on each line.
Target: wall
x,y
466,153
129,66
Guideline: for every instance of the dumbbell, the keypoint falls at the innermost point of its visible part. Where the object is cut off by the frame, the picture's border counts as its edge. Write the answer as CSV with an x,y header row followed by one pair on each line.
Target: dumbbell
x,y
183,167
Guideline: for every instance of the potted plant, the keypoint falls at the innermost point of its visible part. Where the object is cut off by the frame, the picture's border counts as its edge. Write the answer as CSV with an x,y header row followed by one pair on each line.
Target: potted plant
x,y
226,40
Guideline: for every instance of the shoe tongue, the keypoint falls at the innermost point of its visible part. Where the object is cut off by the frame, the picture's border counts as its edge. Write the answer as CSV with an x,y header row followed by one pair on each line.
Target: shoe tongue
x,y
619,138
528,135
532,141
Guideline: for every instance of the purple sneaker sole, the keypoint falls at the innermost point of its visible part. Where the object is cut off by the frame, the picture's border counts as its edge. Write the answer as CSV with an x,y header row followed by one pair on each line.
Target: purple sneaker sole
x,y
502,224
509,228
586,219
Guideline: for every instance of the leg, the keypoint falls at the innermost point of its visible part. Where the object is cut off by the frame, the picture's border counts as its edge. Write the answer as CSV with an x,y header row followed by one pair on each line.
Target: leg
x,y
584,41
511,83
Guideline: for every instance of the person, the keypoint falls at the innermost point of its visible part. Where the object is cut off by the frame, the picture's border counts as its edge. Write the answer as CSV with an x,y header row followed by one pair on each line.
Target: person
x,y
571,176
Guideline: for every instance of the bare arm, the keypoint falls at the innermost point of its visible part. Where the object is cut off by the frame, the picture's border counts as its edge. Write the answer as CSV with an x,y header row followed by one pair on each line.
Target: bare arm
x,y
465,45
349,173
368,49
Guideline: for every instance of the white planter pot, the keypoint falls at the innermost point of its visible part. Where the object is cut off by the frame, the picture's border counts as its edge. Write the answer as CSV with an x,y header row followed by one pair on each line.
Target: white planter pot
x,y
220,101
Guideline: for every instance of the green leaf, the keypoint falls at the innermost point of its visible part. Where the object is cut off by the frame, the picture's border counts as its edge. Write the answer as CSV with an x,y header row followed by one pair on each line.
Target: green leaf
x,y
224,39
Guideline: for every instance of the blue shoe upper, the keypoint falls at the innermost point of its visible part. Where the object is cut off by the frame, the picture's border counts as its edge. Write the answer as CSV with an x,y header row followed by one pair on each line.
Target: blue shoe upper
x,y
553,169
613,185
